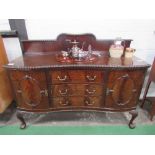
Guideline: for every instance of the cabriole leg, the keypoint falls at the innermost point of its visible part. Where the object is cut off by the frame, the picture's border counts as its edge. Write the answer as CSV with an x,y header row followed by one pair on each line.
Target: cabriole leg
x,y
21,119
134,115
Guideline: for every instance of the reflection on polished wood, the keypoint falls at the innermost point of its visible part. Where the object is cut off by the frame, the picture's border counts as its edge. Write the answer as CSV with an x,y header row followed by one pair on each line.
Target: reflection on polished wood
x,y
49,61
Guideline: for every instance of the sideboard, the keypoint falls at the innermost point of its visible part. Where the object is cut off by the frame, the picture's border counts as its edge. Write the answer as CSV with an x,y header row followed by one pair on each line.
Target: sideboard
x,y
42,84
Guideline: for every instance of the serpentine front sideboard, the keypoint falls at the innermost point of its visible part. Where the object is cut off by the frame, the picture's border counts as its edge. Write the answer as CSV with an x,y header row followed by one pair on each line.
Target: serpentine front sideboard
x,y
41,83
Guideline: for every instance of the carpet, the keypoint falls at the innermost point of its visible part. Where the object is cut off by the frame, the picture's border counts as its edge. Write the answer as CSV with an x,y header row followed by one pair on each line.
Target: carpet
x,y
78,130
77,123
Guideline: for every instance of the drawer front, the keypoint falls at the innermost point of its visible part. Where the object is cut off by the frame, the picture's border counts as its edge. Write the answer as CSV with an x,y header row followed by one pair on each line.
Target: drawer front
x,y
77,102
77,90
76,76
19,75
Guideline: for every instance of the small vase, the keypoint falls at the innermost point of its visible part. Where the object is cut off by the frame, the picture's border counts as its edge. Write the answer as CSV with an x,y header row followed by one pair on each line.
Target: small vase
x,y
116,50
129,52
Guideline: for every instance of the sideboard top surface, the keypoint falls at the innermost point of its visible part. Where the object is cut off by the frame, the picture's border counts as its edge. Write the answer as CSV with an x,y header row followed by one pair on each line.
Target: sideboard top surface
x,y
41,54
31,61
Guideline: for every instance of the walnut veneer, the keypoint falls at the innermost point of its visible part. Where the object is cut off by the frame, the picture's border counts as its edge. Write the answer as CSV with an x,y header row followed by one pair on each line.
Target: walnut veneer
x,y
43,84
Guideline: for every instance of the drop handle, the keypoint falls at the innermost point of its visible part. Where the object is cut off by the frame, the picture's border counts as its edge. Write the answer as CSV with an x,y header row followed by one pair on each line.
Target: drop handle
x,y
45,92
63,92
66,102
134,90
90,78
62,79
19,91
27,77
125,76
90,91
109,91
87,102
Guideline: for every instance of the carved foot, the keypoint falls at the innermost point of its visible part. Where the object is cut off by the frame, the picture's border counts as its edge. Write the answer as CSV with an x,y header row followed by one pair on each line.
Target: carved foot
x,y
134,115
21,119
151,117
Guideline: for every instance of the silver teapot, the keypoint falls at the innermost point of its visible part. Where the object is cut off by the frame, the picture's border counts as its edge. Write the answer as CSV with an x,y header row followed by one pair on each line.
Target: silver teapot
x,y
77,52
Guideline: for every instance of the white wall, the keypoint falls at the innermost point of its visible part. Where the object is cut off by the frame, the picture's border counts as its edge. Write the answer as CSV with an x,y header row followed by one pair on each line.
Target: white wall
x,y
4,24
12,45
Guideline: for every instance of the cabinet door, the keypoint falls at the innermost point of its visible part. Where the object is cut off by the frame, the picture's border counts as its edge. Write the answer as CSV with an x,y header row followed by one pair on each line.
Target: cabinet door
x,y
123,89
31,93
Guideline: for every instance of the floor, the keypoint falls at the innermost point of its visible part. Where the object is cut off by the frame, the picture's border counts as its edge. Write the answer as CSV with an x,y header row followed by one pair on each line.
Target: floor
x,y
76,118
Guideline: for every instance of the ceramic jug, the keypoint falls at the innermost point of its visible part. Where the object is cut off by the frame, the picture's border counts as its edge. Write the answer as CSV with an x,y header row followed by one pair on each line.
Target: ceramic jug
x,y
116,49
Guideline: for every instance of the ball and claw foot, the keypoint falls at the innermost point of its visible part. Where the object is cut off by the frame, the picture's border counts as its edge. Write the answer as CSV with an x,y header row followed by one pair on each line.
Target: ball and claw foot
x,y
132,125
21,119
22,125
134,115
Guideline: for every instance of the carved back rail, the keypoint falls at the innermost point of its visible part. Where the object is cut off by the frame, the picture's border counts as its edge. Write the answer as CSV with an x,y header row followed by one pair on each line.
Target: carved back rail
x,y
62,43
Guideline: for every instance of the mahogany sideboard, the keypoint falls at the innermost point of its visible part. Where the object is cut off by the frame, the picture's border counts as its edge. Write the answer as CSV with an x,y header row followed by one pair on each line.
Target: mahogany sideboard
x,y
42,84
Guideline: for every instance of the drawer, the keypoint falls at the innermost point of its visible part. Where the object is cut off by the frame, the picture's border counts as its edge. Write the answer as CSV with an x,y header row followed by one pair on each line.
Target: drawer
x,y
77,90
77,102
19,75
76,76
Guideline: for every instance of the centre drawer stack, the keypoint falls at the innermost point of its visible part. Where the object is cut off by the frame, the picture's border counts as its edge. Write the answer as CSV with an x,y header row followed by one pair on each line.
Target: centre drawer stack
x,y
77,88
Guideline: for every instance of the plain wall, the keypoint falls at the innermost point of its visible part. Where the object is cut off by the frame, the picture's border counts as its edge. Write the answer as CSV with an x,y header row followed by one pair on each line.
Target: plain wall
x,y
12,45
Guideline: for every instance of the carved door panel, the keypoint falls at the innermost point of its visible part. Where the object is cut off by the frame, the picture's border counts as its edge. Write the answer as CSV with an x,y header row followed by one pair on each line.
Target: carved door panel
x,y
31,93
123,89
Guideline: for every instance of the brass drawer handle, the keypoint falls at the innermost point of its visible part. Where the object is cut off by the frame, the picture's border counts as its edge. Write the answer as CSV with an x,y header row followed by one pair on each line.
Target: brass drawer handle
x,y
90,78
66,102
19,91
109,91
63,92
134,90
89,103
125,76
90,92
62,79
27,77
45,92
